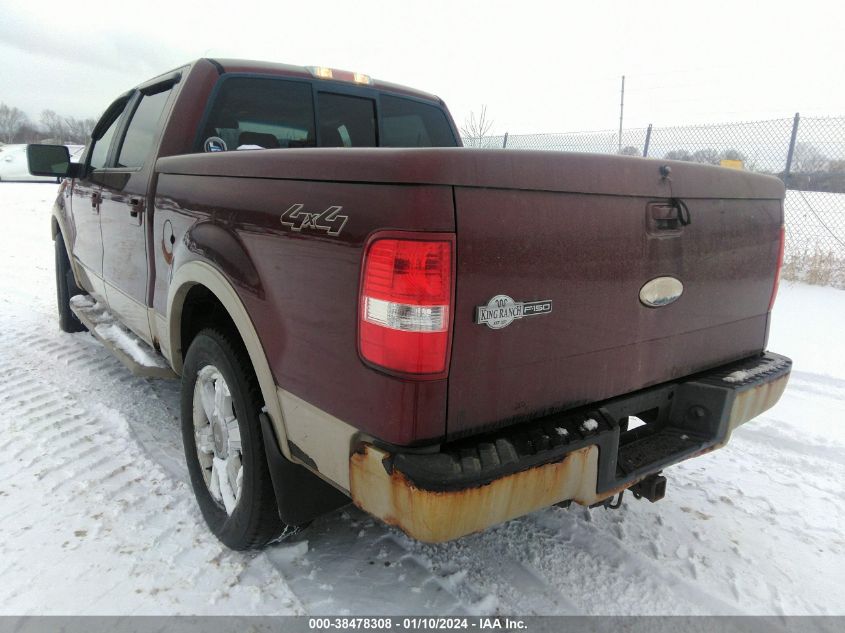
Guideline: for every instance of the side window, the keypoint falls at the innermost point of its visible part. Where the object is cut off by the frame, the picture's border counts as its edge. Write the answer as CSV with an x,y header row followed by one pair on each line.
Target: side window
x,y
408,123
140,135
254,112
346,121
101,147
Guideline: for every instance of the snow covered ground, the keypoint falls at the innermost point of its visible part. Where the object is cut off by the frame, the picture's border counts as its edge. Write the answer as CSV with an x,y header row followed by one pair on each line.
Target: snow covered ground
x,y
97,517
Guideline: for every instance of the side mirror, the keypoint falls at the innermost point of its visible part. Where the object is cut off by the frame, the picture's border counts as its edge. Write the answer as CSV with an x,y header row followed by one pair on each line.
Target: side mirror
x,y
48,160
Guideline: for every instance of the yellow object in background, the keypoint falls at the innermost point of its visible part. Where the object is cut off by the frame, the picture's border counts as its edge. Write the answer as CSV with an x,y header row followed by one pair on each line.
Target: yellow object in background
x,y
731,164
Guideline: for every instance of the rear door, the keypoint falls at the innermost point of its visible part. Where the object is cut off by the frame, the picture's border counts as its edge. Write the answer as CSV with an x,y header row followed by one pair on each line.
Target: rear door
x,y
124,208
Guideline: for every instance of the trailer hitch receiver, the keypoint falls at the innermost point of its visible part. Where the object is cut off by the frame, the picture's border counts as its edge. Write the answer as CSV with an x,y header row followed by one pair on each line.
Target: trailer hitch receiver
x,y
652,488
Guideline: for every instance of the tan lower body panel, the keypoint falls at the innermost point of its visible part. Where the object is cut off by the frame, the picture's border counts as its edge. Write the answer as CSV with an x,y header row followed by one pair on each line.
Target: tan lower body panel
x,y
752,402
130,312
434,517
90,281
325,439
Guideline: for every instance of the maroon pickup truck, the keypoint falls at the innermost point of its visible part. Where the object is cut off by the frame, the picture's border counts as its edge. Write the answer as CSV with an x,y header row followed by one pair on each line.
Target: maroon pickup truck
x,y
359,308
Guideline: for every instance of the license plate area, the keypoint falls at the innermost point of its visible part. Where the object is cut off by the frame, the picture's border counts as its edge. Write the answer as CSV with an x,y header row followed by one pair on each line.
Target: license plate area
x,y
657,427
680,420
640,425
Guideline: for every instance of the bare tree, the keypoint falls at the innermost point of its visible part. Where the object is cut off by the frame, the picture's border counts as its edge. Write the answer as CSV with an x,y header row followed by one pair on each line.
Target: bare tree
x,y
733,154
836,166
630,150
11,121
27,133
707,156
53,126
807,159
475,128
710,156
79,130
678,154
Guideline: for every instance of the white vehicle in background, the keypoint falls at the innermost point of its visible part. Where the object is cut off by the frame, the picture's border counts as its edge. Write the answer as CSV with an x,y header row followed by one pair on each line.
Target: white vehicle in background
x,y
14,167
76,152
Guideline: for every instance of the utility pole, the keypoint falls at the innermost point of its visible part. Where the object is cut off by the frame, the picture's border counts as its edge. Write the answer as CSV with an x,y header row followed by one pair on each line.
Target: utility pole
x,y
621,112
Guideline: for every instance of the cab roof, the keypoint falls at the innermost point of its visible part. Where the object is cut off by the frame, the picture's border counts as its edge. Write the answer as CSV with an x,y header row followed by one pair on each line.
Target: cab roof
x,y
273,68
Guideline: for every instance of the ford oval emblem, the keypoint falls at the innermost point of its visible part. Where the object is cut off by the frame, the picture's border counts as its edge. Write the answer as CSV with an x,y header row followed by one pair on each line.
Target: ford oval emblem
x,y
661,291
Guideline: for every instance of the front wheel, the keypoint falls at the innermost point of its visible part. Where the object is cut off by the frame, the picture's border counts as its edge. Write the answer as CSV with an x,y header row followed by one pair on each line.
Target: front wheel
x,y
224,449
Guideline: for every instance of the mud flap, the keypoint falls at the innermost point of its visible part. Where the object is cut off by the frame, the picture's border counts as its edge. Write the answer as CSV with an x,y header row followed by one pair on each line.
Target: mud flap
x,y
300,494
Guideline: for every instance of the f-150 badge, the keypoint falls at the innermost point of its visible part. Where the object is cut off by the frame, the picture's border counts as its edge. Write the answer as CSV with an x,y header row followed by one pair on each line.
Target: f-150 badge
x,y
501,311
329,220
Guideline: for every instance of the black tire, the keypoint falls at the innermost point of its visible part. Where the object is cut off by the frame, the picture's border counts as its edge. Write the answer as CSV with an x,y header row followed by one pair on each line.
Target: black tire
x,y
255,520
65,289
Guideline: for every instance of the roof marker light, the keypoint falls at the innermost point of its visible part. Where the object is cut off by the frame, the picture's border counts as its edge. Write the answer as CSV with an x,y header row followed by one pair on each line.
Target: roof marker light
x,y
322,72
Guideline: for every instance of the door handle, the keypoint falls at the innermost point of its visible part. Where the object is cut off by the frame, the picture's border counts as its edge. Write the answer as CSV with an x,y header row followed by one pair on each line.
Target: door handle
x,y
137,206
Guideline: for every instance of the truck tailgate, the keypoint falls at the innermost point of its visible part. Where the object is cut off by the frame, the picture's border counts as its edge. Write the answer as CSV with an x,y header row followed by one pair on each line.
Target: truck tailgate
x,y
590,254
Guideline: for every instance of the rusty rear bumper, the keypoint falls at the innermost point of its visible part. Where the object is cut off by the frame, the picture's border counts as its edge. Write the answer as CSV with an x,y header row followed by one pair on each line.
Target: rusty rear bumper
x,y
587,455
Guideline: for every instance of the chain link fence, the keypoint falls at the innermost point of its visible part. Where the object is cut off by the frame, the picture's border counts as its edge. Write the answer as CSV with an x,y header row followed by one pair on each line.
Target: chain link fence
x,y
807,154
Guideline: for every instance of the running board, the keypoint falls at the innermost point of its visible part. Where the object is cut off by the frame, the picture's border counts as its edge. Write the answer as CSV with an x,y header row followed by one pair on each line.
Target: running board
x,y
139,358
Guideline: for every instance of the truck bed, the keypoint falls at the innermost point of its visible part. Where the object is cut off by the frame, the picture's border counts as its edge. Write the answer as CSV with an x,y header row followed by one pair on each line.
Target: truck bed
x,y
584,232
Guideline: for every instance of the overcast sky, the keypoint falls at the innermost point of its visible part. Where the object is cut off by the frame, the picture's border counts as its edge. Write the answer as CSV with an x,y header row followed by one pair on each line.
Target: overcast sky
x,y
538,66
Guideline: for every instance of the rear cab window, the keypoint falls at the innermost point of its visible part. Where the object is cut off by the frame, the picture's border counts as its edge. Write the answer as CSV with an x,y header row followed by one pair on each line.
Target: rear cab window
x,y
346,121
252,112
143,128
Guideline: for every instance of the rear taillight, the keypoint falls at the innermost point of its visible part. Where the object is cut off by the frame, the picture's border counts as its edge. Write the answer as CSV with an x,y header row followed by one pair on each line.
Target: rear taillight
x,y
779,266
406,303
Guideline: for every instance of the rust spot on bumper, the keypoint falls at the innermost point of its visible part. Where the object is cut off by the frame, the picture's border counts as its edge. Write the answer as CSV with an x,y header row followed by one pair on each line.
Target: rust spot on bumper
x,y
434,517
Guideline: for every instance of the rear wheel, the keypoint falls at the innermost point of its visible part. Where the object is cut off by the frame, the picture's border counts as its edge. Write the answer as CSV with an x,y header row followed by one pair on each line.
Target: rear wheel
x,y
224,448
65,289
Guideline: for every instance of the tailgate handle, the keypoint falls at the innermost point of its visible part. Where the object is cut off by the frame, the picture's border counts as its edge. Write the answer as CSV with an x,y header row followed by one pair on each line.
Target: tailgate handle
x,y
670,217
683,211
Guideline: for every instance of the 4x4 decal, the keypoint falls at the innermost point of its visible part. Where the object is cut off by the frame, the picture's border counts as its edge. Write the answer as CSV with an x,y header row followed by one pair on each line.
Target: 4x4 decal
x,y
329,220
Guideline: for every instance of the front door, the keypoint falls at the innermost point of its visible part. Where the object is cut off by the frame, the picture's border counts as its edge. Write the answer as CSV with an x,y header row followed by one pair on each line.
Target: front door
x,y
86,244
125,209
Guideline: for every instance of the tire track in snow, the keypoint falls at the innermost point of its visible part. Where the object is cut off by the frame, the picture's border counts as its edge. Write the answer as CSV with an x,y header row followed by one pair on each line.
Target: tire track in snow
x,y
315,574
109,520
491,579
555,562
349,554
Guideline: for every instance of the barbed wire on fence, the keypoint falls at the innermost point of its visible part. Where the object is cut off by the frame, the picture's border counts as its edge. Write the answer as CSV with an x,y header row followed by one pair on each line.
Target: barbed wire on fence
x,y
806,153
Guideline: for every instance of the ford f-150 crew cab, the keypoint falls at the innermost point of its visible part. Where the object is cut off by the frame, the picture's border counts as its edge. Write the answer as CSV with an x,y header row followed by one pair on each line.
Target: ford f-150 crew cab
x,y
360,309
